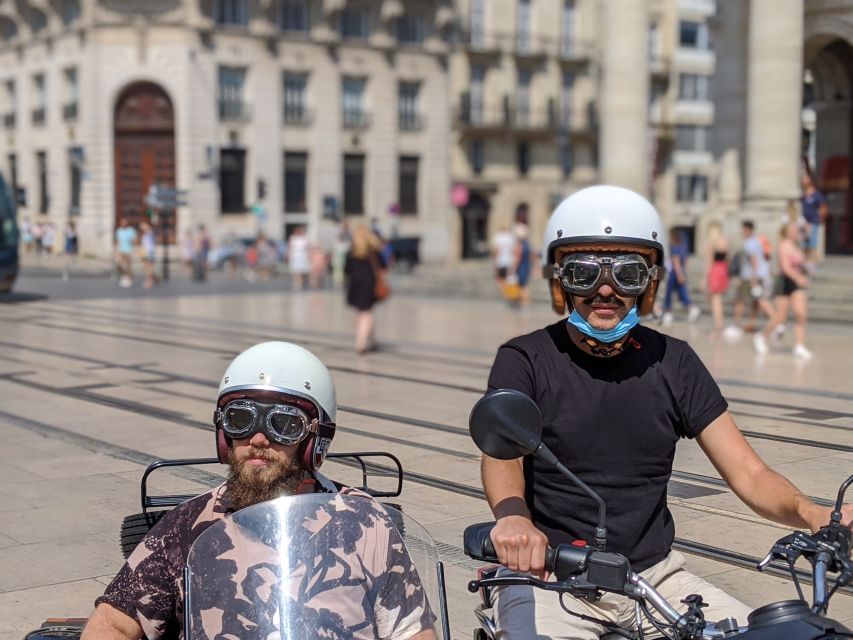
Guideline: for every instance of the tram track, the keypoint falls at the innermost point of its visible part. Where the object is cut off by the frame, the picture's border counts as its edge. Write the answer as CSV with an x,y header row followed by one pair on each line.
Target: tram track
x,y
820,444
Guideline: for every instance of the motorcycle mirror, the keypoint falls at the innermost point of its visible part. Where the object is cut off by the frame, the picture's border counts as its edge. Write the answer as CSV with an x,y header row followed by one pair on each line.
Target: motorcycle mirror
x,y
506,424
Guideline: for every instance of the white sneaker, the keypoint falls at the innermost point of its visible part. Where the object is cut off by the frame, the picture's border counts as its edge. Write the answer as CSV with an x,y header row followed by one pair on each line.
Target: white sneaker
x,y
732,333
125,282
760,344
667,319
778,332
802,353
693,314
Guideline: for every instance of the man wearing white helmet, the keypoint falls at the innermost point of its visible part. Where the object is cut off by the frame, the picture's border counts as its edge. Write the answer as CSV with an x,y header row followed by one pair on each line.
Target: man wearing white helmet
x,y
274,422
615,398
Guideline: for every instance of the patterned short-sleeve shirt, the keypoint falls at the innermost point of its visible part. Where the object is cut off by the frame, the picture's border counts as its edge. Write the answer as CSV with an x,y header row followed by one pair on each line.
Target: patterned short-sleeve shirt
x,y
371,589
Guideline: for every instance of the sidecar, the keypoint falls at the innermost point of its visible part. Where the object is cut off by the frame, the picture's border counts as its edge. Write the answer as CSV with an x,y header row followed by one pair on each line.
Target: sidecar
x,y
377,473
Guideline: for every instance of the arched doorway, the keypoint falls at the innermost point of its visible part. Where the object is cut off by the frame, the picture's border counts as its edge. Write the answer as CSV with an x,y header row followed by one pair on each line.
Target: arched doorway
x,y
828,136
144,151
475,227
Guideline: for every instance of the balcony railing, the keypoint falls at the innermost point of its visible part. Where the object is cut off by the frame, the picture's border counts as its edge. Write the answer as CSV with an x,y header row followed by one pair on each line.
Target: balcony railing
x,y
526,45
298,116
353,119
505,116
411,122
9,120
234,110
69,111
39,116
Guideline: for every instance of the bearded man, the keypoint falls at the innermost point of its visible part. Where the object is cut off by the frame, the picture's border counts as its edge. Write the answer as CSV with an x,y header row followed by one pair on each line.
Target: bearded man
x,y
274,422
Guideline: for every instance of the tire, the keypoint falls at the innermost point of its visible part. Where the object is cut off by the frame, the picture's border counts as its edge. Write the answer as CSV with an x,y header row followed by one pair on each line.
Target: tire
x,y
136,527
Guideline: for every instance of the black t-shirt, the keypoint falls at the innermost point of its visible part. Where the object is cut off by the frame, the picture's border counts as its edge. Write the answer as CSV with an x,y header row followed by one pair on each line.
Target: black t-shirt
x,y
614,422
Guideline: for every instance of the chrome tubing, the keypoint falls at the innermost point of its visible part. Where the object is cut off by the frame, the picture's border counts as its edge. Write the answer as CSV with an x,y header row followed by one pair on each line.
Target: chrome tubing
x,y
650,595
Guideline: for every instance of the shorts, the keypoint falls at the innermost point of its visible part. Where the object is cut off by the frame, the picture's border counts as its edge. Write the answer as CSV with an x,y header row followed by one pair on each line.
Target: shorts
x,y
501,273
718,278
812,237
745,293
785,286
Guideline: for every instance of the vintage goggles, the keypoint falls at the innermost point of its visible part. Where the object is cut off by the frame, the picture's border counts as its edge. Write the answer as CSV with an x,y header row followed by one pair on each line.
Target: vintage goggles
x,y
581,274
281,423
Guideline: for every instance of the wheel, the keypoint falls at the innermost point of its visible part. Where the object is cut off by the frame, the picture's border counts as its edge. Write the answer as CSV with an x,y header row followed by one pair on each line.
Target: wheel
x,y
136,527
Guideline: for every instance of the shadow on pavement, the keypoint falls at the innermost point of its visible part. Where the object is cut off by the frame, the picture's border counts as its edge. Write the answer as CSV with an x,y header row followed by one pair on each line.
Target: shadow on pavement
x,y
17,297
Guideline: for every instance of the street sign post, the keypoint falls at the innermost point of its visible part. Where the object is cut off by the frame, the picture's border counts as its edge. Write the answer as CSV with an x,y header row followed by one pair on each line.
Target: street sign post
x,y
164,201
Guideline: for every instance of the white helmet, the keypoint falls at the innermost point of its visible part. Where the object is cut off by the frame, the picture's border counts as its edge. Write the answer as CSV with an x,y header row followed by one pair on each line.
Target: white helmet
x,y
603,215
286,368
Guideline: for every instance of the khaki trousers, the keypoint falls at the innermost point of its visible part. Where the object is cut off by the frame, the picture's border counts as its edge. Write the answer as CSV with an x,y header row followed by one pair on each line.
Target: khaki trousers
x,y
527,613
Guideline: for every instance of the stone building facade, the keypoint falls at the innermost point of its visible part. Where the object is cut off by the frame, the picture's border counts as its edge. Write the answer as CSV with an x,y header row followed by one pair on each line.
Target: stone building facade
x,y
266,114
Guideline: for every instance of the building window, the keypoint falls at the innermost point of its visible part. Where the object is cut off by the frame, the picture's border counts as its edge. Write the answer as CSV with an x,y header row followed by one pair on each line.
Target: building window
x,y
44,194
295,181
11,105
523,158
294,16
295,109
232,180
231,104
408,106
477,95
40,99
353,184
353,24
690,137
353,102
478,24
69,109
522,97
694,87
522,31
408,185
478,156
566,90
567,159
70,11
692,188
693,35
410,29
13,175
567,40
75,166
231,13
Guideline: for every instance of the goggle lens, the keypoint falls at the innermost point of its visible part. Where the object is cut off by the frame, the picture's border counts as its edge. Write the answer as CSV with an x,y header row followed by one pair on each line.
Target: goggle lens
x,y
287,426
239,419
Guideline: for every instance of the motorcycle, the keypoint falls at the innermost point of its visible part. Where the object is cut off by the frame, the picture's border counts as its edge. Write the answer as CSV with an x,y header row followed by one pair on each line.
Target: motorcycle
x,y
305,566
506,424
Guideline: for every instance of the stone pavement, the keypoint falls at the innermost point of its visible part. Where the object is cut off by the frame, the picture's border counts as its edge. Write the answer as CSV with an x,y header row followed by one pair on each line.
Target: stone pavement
x,y
98,384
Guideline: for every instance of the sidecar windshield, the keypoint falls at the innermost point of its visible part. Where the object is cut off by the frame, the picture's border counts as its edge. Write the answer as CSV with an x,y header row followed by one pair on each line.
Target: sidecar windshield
x,y
313,566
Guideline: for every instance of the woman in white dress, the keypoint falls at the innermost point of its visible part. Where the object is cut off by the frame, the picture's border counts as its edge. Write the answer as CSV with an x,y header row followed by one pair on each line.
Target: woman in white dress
x,y
298,257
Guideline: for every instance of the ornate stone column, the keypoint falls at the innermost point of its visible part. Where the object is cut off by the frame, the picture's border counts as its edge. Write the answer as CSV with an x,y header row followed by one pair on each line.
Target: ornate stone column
x,y
775,77
623,144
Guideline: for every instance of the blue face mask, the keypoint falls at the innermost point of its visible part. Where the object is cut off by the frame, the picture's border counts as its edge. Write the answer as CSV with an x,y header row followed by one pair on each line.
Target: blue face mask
x,y
611,335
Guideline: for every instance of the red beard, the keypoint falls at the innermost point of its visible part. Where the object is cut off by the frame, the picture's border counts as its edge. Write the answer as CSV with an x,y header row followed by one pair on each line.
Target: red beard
x,y
250,484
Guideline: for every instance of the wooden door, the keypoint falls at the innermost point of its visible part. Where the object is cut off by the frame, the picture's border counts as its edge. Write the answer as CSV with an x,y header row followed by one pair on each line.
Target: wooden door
x,y
144,152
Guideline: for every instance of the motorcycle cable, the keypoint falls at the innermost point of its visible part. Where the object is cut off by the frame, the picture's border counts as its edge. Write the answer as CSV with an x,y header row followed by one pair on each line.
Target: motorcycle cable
x,y
665,629
611,627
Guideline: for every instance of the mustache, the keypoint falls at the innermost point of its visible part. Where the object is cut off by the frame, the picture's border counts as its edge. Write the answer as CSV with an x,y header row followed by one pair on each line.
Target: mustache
x,y
257,453
599,299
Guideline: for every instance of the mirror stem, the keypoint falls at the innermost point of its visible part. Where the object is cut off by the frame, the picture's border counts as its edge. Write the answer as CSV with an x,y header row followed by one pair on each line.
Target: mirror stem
x,y
546,455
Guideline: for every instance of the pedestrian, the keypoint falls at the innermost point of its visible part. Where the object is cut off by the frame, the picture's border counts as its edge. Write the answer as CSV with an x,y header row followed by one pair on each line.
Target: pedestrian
x,y
815,211
677,279
615,398
521,265
339,253
27,237
126,238
298,257
188,252
363,267
202,251
38,232
791,292
147,251
72,248
716,272
755,282
48,238
503,255
319,266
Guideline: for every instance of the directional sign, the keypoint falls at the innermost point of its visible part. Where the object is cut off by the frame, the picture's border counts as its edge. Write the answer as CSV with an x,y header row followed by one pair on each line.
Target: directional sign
x,y
165,197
